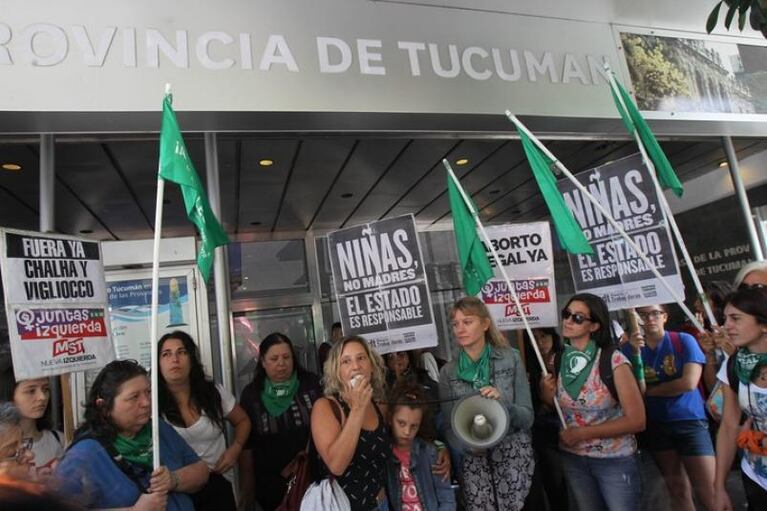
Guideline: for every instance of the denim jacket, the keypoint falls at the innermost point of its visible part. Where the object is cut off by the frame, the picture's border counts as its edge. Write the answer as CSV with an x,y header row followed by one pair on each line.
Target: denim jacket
x,y
435,493
506,374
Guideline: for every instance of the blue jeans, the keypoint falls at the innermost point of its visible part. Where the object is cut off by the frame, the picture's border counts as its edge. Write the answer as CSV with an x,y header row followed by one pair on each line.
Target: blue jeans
x,y
603,483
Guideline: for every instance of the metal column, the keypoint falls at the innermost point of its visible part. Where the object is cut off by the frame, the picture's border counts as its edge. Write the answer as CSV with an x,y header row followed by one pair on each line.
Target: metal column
x,y
740,191
47,182
220,266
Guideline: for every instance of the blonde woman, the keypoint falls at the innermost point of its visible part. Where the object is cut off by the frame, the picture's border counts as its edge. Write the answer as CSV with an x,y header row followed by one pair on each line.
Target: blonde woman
x,y
348,427
500,477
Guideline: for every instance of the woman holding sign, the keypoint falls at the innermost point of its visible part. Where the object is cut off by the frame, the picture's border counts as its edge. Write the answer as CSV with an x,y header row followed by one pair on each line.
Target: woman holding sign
x,y
603,408
500,477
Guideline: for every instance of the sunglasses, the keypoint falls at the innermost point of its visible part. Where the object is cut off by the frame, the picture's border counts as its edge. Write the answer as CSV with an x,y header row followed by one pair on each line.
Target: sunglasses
x,y
751,286
577,317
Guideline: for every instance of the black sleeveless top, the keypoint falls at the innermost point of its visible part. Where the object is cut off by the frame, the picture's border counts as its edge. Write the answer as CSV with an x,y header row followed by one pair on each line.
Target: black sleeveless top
x,y
366,474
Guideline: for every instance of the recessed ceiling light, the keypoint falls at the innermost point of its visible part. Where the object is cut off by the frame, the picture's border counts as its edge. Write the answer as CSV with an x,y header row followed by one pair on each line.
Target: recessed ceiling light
x,y
462,161
255,223
86,231
11,166
266,162
347,195
721,164
494,192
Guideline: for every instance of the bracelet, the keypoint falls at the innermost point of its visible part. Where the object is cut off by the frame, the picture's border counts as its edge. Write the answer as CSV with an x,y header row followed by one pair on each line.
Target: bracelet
x,y
175,480
439,445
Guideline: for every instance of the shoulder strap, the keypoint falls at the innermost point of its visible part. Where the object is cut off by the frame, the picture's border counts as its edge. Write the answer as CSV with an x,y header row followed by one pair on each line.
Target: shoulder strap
x,y
55,435
732,376
606,370
335,406
676,343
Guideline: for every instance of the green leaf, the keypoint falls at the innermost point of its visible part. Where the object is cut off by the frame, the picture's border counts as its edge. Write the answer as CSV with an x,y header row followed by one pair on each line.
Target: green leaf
x,y
713,17
730,15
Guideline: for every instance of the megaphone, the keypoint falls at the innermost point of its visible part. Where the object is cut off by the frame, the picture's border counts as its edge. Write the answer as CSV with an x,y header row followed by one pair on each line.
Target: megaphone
x,y
479,422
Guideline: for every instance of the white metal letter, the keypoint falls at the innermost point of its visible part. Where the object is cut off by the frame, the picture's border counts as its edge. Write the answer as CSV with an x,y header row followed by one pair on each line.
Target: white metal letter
x,y
156,42
412,50
323,44
468,53
57,43
277,51
366,57
202,49
94,56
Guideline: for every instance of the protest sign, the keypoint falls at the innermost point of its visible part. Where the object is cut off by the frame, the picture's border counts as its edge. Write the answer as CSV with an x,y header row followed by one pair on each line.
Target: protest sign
x,y
526,253
616,272
381,284
55,302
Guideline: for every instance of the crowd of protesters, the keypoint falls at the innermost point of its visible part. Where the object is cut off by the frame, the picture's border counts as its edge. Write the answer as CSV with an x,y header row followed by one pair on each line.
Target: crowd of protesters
x,y
380,427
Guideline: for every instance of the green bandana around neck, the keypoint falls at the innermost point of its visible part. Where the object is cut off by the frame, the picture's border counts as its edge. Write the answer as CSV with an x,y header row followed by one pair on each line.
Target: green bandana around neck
x,y
477,373
137,449
277,397
745,362
576,366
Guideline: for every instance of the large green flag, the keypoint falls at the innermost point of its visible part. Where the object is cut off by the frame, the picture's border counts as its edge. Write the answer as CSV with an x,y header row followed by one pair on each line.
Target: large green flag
x,y
633,120
568,231
474,264
176,166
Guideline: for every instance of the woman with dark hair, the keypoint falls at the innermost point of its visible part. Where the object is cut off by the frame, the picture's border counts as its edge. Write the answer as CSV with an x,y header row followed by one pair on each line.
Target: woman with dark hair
x,y
500,477
603,408
402,366
32,400
744,393
197,408
279,403
109,464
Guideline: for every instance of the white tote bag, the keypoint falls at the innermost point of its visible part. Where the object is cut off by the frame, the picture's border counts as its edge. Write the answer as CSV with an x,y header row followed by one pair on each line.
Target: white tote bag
x,y
327,495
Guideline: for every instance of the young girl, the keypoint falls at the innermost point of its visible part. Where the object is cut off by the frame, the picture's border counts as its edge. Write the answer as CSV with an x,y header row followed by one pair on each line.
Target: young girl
x,y
410,483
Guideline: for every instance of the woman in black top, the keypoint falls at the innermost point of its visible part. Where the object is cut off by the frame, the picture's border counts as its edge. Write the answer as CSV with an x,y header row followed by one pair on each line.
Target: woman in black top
x,y
279,403
348,428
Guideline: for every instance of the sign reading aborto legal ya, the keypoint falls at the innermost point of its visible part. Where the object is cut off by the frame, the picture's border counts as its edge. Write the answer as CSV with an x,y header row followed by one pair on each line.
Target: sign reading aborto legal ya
x,y
616,272
55,302
381,285
526,254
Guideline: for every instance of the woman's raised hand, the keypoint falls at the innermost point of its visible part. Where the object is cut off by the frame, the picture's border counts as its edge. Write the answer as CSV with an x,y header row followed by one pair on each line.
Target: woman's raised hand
x,y
359,394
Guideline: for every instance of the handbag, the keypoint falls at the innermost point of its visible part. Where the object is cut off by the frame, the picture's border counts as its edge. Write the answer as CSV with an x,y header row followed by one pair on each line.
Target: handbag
x,y
297,484
326,495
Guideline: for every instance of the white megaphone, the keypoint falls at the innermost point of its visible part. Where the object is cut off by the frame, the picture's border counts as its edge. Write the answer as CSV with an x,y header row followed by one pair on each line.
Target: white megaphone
x,y
479,422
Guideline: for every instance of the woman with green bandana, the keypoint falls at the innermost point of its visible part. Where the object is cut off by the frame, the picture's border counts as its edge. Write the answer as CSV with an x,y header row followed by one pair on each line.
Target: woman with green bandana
x,y
598,447
198,410
279,403
745,315
109,464
498,478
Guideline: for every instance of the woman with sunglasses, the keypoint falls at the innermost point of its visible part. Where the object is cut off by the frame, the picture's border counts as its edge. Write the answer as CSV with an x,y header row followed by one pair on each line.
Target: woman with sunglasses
x,y
598,446
746,325
498,478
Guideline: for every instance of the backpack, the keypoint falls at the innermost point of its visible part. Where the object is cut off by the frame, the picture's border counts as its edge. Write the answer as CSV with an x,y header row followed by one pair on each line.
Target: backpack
x,y
732,376
676,345
605,369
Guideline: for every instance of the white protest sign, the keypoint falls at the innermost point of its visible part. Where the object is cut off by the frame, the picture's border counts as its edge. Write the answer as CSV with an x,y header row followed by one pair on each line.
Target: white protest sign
x,y
55,301
381,285
526,253
616,272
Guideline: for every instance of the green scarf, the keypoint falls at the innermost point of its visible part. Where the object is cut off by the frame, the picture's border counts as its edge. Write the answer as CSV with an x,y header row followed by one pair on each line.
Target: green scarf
x,y
277,397
576,366
137,449
477,373
745,362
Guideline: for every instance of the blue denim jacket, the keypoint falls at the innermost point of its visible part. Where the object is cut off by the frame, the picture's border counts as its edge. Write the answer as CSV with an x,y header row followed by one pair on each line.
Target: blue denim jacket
x,y
435,493
507,375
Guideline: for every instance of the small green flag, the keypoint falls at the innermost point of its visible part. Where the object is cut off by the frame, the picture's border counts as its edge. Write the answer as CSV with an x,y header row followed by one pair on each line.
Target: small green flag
x,y
176,166
568,231
474,263
633,121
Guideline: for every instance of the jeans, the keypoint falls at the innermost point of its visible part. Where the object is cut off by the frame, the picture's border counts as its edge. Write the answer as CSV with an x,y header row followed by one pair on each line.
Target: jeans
x,y
603,483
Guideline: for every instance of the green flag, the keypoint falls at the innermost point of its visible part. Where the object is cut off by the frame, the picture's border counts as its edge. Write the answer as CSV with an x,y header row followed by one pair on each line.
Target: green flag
x,y
568,231
633,121
176,166
474,264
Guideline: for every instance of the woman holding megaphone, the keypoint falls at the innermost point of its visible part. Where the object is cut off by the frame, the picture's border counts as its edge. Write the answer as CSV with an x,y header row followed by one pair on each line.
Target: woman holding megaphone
x,y
498,477
603,408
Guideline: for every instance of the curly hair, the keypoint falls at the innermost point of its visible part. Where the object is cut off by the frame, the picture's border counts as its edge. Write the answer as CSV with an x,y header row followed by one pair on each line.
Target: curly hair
x,y
101,398
273,339
331,379
203,392
473,306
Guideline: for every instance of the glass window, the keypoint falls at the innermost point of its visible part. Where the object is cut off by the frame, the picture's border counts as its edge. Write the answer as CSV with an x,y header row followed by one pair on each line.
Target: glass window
x,y
267,268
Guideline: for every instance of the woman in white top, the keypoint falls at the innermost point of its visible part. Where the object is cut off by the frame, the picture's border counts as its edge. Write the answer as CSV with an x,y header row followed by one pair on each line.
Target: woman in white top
x,y
196,408
32,400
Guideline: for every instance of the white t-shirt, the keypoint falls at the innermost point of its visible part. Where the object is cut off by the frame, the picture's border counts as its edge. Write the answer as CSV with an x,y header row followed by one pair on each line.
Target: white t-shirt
x,y
48,449
753,402
206,438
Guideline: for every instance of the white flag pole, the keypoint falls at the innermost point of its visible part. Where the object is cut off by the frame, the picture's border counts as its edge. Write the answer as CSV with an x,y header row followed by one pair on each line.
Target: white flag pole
x,y
664,205
618,228
511,287
153,372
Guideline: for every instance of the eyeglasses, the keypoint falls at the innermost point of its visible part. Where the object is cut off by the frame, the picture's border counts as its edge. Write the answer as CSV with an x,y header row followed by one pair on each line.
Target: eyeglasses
x,y
24,448
577,317
744,286
650,315
396,354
